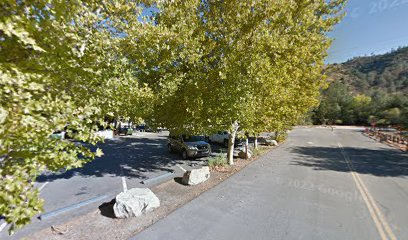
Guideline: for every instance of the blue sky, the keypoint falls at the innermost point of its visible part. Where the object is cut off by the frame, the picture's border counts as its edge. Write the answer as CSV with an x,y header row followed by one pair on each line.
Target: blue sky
x,y
371,26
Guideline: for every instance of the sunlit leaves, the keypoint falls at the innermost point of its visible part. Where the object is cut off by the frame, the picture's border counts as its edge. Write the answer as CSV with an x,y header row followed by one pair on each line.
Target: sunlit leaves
x,y
62,68
255,62
195,66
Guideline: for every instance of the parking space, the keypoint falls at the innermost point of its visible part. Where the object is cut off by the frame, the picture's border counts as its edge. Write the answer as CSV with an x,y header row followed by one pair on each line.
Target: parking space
x,y
140,160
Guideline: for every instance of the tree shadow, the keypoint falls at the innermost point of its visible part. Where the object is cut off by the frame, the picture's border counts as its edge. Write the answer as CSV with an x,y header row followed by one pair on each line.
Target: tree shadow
x,y
380,162
130,157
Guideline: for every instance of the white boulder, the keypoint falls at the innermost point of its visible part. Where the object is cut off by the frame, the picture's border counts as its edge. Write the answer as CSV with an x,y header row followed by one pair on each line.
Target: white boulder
x,y
271,143
134,202
196,176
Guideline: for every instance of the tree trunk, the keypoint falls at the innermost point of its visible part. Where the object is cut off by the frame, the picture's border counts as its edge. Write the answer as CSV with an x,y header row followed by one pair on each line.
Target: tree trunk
x,y
256,142
246,148
231,141
116,125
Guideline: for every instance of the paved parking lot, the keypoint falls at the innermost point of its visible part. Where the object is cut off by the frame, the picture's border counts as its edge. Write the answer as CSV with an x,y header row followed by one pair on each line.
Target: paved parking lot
x,y
127,161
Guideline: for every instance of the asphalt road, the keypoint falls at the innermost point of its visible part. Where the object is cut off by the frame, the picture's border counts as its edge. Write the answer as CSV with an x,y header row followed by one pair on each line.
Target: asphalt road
x,y
127,161
320,184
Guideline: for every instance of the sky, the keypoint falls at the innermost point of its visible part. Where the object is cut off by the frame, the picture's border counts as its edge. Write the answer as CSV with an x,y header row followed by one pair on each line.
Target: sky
x,y
370,27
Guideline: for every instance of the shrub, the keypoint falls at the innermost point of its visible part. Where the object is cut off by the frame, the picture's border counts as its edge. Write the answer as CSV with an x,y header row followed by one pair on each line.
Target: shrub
x,y
217,161
281,136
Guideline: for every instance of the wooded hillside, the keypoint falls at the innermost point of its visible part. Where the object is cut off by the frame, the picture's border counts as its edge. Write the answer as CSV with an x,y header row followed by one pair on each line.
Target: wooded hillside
x,y
387,72
366,89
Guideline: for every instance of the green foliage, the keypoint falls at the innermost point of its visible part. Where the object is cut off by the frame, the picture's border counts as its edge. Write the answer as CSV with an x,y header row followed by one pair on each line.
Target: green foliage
x,y
281,136
393,115
61,68
335,103
376,85
194,67
258,63
386,72
217,161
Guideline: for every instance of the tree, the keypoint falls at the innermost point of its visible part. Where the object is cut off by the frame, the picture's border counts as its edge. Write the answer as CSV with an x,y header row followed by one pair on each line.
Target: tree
x,y
228,63
60,69
361,107
335,104
393,115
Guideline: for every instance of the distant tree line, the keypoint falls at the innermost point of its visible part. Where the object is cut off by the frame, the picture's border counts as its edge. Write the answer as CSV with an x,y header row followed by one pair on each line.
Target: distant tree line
x,y
366,90
339,106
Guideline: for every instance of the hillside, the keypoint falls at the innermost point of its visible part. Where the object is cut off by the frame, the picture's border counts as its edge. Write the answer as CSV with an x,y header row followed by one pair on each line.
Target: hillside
x,y
366,90
387,72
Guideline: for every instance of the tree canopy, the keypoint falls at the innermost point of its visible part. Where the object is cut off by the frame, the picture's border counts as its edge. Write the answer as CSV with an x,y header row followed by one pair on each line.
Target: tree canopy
x,y
60,69
256,63
194,66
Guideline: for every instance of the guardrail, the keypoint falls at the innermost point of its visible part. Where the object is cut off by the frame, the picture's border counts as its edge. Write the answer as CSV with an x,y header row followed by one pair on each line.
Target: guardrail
x,y
394,139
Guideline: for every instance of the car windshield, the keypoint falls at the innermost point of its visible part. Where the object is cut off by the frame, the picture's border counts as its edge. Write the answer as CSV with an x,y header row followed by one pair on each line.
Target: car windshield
x,y
194,138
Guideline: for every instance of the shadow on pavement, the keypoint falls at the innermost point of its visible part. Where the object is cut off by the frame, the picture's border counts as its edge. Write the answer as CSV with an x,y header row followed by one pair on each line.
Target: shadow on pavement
x,y
106,209
130,157
179,180
381,162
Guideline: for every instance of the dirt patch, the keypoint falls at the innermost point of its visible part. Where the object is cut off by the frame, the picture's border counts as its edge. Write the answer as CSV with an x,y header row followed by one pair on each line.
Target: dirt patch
x,y
101,223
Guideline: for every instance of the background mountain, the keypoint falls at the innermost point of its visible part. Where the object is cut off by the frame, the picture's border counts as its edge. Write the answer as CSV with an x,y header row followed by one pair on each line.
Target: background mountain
x,y
387,72
366,89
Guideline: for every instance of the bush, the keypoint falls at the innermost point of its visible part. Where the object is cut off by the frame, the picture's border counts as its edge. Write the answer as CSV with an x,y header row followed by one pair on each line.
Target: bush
x,y
217,161
281,136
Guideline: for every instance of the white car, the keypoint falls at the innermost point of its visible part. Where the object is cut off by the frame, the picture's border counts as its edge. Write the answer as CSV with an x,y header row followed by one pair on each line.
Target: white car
x,y
220,137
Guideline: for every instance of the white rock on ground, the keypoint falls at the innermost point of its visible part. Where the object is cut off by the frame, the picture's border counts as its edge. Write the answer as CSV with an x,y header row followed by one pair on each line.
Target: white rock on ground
x,y
134,202
271,142
196,176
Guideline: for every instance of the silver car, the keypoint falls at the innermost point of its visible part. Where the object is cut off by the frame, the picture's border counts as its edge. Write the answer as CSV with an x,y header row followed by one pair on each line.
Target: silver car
x,y
189,146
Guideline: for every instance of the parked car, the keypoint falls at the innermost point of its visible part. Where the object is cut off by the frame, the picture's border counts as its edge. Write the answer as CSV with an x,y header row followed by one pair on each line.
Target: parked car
x,y
189,146
143,128
125,131
222,138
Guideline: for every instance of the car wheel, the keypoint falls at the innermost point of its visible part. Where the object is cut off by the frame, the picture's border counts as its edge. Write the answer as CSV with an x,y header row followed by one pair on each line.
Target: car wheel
x,y
169,148
184,155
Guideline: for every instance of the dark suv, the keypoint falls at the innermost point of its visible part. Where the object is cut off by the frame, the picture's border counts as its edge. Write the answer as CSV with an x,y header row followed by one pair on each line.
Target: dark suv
x,y
125,131
189,146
